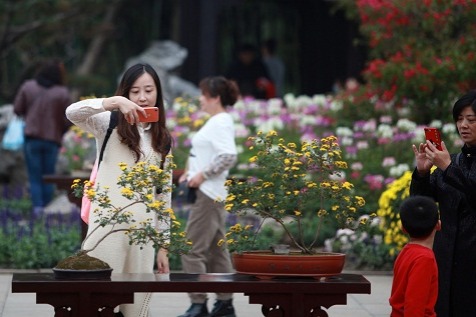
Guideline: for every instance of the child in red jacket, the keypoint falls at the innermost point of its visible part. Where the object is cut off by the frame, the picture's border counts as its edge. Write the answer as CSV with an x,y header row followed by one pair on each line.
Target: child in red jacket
x,y
415,273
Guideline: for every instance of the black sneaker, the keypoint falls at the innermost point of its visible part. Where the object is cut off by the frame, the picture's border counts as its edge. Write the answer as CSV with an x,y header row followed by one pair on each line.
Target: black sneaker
x,y
197,310
223,308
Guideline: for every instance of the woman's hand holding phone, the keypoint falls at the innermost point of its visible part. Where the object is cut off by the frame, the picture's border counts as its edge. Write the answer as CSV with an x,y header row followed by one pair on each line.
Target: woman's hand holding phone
x,y
434,150
151,114
434,136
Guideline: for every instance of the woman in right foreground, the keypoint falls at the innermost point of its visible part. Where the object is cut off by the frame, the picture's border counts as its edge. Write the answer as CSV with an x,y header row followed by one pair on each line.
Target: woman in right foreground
x,y
453,185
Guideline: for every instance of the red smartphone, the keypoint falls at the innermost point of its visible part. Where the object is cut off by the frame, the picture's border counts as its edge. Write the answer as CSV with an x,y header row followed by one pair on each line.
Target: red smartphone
x,y
152,115
434,136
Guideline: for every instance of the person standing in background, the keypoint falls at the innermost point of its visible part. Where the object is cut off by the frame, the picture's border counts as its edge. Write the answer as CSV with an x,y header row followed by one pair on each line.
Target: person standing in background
x,y
251,74
42,102
212,155
275,65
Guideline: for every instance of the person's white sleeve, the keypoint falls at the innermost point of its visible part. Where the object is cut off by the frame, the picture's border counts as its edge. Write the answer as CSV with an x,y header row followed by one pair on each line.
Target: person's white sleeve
x,y
89,115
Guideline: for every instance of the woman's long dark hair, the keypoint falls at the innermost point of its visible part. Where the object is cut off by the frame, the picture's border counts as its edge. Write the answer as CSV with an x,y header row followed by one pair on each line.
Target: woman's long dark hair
x,y
161,139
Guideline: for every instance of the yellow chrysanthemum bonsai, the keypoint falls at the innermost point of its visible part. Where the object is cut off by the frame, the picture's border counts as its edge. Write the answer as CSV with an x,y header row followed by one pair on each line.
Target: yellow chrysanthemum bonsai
x,y
139,185
295,185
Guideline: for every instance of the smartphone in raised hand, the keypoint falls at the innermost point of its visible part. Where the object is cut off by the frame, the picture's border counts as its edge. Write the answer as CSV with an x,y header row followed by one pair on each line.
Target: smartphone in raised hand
x,y
152,114
434,136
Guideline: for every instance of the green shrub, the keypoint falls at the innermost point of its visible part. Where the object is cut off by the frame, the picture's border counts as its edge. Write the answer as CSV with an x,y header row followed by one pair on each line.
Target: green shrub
x,y
38,243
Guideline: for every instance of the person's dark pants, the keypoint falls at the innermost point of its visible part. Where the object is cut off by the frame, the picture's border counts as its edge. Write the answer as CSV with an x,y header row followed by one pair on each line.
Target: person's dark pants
x,y
40,157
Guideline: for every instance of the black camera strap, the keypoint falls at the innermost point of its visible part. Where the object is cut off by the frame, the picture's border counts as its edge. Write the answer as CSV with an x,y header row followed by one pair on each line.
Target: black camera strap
x,y
112,125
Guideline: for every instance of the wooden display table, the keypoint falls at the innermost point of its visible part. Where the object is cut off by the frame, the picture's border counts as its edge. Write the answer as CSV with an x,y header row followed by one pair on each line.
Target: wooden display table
x,y
286,297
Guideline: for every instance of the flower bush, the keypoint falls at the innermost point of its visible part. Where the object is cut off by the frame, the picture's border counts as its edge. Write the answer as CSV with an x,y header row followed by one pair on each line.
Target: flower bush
x,y
293,183
421,52
389,207
364,249
375,143
78,150
139,185
379,246
376,146
31,242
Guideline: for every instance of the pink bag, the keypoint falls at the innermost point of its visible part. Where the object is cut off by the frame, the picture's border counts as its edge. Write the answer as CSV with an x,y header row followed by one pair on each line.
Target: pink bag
x,y
85,202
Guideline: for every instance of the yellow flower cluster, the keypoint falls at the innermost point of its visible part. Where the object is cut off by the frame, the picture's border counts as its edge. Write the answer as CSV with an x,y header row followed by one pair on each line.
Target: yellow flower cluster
x,y
388,211
296,181
138,184
238,237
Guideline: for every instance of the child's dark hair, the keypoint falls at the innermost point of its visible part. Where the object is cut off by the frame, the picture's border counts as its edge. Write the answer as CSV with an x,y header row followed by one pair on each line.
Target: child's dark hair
x,y
419,216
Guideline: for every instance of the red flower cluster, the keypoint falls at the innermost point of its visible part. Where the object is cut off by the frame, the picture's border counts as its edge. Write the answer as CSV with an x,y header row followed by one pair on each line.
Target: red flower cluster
x,y
421,52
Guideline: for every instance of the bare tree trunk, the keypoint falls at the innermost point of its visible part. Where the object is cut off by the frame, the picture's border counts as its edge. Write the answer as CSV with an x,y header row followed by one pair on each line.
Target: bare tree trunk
x,y
97,44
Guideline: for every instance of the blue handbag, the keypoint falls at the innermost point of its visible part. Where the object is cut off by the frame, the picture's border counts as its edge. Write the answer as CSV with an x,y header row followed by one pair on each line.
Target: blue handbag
x,y
14,136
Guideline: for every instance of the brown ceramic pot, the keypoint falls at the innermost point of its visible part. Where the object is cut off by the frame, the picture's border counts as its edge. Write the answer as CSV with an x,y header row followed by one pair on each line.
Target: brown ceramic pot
x,y
266,265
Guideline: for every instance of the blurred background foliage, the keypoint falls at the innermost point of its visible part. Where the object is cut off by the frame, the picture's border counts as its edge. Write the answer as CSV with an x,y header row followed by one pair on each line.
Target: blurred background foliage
x,y
96,37
410,60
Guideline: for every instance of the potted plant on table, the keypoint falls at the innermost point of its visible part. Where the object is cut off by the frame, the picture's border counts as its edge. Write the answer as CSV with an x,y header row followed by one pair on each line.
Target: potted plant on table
x,y
139,186
296,186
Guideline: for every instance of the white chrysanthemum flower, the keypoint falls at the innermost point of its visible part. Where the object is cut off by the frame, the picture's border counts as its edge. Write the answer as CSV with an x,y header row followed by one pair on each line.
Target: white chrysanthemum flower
x,y
389,161
370,125
449,128
241,130
362,145
418,136
344,131
301,102
397,171
289,99
305,120
385,131
436,124
406,125
336,105
344,232
320,100
338,177
171,124
270,125
240,149
239,105
346,141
